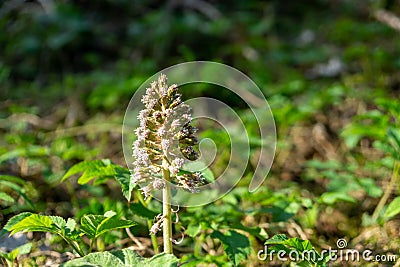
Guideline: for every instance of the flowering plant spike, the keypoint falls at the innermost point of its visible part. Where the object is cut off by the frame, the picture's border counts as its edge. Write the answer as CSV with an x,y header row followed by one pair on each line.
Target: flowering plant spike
x,y
165,140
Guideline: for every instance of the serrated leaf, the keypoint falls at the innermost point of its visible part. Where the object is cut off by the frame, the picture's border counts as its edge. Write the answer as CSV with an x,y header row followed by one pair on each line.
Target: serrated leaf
x,y
276,239
236,246
393,208
6,197
97,259
162,259
128,257
280,242
90,170
34,223
69,230
124,179
58,221
96,225
140,210
118,258
13,221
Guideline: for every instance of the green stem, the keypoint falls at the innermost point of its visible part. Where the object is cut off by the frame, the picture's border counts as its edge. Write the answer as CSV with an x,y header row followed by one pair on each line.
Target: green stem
x,y
74,246
153,238
197,245
154,241
393,181
167,224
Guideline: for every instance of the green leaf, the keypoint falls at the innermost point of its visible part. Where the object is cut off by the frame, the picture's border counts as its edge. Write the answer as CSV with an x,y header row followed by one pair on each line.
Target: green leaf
x,y
140,210
31,151
370,187
127,257
123,177
162,259
281,242
236,246
34,223
255,231
17,188
276,239
330,198
122,258
193,229
90,170
13,221
393,208
99,259
95,225
21,250
101,170
6,197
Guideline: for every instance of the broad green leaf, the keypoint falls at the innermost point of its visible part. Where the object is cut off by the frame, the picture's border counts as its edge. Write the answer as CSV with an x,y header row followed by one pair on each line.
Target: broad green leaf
x,y
162,259
281,242
34,223
13,221
276,239
236,246
6,197
140,210
123,258
123,177
393,208
95,225
98,259
90,170
193,229
58,221
21,250
127,257
333,197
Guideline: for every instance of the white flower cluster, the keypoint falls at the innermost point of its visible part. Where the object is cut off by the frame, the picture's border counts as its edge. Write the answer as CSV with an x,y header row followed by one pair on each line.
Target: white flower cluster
x,y
164,139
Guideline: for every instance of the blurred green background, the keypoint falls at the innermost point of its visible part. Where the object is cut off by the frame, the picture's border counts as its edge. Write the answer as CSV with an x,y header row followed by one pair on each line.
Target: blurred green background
x,y
330,70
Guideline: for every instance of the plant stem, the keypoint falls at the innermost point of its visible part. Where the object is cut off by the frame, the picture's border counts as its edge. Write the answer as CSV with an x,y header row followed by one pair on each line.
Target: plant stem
x,y
153,238
197,245
149,224
167,224
74,246
388,191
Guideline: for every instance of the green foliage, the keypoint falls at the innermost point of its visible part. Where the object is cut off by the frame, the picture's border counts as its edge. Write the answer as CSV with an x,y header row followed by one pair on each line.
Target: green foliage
x,y
236,246
122,258
95,225
14,185
393,209
12,256
101,170
91,225
302,247
68,70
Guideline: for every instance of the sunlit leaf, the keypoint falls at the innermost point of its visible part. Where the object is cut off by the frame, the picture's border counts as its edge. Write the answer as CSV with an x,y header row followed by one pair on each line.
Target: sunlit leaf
x,y
236,246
